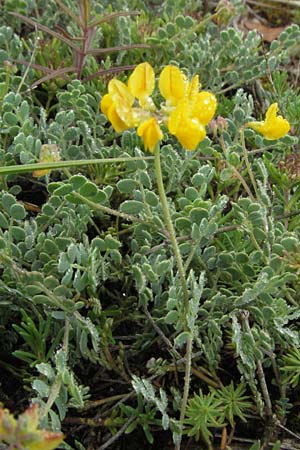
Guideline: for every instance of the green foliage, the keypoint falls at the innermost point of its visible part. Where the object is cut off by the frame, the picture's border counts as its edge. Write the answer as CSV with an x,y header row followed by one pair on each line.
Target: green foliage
x,y
291,367
91,299
204,412
234,403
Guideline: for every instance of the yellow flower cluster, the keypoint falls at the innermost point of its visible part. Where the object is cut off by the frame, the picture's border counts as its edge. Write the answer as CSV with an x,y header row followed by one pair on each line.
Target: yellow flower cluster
x,y
273,127
185,112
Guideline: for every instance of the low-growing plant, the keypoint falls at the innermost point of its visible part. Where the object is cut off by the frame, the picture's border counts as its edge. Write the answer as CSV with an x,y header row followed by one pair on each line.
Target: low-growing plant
x,y
131,281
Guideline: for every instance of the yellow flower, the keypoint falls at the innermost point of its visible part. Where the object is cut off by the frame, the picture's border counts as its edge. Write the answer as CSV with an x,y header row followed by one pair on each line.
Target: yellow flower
x,y
188,130
151,133
273,127
172,84
185,111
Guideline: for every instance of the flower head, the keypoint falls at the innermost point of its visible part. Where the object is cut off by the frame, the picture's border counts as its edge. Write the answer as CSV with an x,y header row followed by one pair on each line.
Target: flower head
x,y
185,111
273,127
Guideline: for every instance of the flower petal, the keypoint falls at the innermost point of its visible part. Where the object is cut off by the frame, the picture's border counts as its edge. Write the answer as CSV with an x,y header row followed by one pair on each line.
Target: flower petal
x,y
172,84
177,116
118,124
122,99
191,134
105,103
189,131
193,88
141,82
204,107
119,92
109,109
151,133
272,112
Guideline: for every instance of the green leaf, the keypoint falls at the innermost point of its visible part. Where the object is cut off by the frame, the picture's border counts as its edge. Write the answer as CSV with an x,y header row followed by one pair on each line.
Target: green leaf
x,y
89,189
126,186
18,233
7,201
17,211
63,190
132,207
171,317
77,181
3,221
151,198
112,243
10,118
181,339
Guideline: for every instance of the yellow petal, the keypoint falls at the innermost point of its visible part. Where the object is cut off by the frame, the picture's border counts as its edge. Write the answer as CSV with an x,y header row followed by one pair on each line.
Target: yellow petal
x,y
190,134
119,92
204,107
272,112
141,82
151,133
189,131
280,129
105,104
109,109
118,124
177,116
274,127
193,89
121,98
172,84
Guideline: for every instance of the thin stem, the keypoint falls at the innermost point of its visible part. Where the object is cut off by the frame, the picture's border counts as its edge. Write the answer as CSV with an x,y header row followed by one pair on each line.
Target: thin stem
x,y
119,433
30,62
248,165
160,333
182,275
234,170
7,170
106,210
169,225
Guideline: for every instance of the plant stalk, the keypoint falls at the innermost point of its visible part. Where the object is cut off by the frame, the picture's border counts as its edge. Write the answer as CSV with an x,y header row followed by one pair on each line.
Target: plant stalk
x,y
182,276
248,165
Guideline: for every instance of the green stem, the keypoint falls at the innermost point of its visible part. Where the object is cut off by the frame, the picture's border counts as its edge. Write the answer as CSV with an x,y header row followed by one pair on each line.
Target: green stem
x,y
248,165
7,170
169,225
182,276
